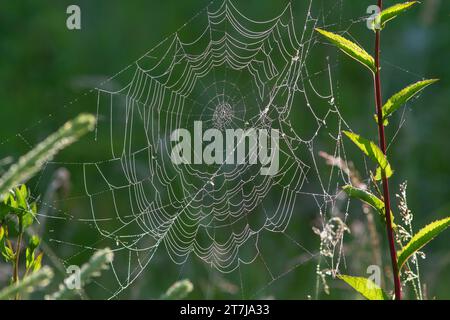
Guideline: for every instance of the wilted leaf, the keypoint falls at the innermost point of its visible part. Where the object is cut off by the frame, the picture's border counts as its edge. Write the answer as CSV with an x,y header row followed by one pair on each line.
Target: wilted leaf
x,y
421,238
366,287
372,151
350,48
400,98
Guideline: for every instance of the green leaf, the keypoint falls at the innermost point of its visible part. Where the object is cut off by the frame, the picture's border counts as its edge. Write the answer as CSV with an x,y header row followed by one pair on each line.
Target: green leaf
x,y
32,245
34,242
350,48
400,98
27,219
4,210
392,12
29,258
32,162
7,253
38,262
421,238
21,194
16,201
11,202
368,198
366,287
373,152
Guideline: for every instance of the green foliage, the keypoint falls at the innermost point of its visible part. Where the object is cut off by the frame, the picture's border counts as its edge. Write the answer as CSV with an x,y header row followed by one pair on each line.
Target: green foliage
x,y
421,238
17,203
391,13
350,48
32,162
40,278
373,152
33,263
43,276
98,262
370,149
368,198
17,206
179,290
6,247
366,287
400,98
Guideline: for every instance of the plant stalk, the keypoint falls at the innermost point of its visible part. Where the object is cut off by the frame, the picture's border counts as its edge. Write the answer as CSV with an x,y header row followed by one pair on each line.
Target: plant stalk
x,y
17,256
382,142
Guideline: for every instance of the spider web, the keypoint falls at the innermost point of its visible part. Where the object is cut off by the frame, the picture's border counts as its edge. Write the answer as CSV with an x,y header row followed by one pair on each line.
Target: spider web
x,y
236,73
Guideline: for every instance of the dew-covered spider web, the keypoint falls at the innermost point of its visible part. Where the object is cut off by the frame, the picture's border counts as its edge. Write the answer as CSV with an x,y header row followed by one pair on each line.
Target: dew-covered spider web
x,y
162,219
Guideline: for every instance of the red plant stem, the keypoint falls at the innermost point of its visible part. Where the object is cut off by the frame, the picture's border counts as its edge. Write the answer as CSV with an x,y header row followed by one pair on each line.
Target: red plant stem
x,y
382,141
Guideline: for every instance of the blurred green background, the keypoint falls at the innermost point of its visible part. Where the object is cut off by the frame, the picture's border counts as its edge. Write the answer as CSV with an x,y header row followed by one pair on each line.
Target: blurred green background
x,y
47,71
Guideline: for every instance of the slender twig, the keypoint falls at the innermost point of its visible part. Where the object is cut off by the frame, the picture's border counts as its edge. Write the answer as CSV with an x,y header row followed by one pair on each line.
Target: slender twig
x,y
382,141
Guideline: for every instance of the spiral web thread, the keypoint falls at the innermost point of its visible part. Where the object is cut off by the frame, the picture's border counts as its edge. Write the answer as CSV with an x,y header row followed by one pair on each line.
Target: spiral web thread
x,y
238,73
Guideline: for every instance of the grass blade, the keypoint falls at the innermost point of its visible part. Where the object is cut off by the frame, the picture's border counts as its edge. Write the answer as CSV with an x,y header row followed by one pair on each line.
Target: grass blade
x,y
350,48
421,238
32,162
179,290
366,287
98,262
39,278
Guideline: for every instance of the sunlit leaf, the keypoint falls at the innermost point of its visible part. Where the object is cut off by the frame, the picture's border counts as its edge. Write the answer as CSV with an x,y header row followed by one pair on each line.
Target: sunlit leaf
x,y
421,238
29,258
400,98
32,245
27,218
372,151
38,262
350,48
366,287
7,253
34,242
368,198
392,12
